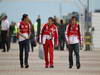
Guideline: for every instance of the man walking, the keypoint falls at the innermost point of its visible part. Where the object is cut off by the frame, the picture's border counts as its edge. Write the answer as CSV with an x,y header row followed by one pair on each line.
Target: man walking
x,y
5,33
74,39
23,35
49,34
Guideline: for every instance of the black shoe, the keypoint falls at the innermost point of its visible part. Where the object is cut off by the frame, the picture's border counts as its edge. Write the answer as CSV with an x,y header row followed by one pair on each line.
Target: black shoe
x,y
22,66
46,66
3,51
27,66
78,67
51,66
7,50
70,66
62,49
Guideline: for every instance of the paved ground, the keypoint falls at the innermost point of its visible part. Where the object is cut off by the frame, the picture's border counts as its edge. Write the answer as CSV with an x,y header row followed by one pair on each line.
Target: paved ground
x,y
9,63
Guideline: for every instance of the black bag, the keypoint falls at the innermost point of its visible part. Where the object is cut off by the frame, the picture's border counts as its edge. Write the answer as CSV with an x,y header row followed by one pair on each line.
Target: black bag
x,y
33,42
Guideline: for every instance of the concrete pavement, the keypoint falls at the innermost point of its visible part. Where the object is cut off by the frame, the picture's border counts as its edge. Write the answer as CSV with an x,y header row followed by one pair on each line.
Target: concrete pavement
x,y
9,63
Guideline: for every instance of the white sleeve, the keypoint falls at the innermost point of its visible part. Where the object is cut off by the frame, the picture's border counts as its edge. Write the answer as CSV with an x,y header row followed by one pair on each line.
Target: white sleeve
x,y
66,33
18,24
7,24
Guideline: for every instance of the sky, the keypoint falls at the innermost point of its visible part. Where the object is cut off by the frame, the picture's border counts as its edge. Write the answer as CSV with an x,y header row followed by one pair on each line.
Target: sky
x,y
15,9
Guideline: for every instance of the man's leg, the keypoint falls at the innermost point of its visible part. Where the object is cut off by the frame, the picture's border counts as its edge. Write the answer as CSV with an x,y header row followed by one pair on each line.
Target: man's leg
x,y
3,37
59,43
46,54
32,47
76,50
26,46
8,41
21,54
70,56
51,49
63,43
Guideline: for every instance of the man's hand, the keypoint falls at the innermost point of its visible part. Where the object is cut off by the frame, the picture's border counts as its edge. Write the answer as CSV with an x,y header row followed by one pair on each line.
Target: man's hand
x,y
55,45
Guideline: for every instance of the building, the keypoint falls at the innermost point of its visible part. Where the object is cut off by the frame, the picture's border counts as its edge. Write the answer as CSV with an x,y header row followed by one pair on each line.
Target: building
x,y
96,25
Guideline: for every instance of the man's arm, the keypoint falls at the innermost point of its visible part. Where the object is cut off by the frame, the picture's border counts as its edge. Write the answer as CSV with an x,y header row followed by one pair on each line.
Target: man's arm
x,y
8,27
66,34
41,34
79,34
56,36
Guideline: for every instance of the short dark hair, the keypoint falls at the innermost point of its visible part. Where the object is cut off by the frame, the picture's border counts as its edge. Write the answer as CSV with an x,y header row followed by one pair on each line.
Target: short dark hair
x,y
24,16
74,17
6,17
50,18
61,21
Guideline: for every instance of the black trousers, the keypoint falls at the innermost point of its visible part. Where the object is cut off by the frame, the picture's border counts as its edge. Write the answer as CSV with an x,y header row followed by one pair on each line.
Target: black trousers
x,y
5,41
24,49
75,48
62,43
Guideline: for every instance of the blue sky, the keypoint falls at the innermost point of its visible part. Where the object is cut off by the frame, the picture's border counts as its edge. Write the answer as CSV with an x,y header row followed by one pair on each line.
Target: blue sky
x,y
15,9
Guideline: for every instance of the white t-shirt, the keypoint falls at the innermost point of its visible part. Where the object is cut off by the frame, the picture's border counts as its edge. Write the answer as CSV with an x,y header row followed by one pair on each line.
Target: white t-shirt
x,y
5,25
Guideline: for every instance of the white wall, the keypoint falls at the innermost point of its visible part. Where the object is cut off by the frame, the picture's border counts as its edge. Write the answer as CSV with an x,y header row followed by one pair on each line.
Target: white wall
x,y
96,24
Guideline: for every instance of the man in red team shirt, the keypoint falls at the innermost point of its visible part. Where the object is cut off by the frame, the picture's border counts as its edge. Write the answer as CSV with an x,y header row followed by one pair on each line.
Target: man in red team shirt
x,y
24,35
74,39
49,40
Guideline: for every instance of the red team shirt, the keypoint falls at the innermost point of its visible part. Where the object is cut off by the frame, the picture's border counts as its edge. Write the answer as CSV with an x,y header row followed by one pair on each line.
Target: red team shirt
x,y
24,29
50,32
73,34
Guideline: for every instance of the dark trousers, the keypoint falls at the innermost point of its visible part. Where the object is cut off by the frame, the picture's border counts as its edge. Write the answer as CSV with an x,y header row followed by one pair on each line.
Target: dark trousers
x,y
14,39
24,47
32,44
75,48
5,41
61,43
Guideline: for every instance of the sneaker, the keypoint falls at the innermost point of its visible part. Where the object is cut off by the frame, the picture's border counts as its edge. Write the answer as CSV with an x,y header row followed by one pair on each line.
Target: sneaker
x,y
3,51
51,66
70,66
78,67
27,66
46,66
22,66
